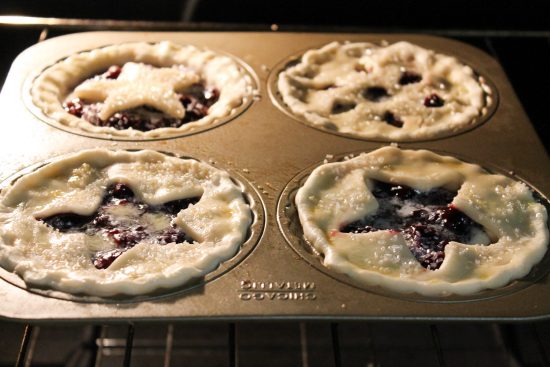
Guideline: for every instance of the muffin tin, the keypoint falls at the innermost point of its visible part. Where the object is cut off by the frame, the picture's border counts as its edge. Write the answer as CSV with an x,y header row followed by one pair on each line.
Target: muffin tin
x,y
270,152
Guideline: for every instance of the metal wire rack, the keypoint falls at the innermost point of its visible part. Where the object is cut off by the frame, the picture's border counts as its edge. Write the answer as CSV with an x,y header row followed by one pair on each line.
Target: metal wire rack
x,y
278,344
524,55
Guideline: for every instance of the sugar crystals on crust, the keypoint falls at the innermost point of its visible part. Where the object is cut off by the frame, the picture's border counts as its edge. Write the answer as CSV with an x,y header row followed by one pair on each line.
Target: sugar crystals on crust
x,y
394,93
414,221
142,90
105,223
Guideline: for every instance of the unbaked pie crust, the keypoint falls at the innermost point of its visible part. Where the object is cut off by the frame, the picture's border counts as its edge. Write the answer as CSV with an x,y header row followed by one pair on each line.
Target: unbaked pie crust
x,y
47,258
329,88
336,194
57,83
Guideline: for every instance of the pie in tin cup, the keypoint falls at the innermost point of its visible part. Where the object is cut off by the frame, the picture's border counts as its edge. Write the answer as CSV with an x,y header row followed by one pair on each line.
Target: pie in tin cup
x,y
398,92
418,222
108,223
142,90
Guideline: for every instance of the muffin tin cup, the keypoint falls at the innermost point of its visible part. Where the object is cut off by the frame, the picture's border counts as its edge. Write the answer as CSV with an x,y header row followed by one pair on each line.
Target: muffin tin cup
x,y
195,129
254,233
490,95
270,152
291,228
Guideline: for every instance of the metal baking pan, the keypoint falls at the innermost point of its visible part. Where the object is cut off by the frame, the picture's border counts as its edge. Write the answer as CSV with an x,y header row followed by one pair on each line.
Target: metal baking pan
x,y
263,147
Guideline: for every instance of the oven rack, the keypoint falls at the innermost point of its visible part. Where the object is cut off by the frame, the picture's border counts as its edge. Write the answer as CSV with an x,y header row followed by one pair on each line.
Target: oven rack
x,y
523,54
282,344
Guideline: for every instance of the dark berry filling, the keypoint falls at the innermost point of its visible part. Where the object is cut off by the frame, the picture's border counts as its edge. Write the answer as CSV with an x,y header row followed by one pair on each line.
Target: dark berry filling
x,y
103,259
67,222
433,100
112,73
375,94
409,77
427,220
196,101
391,119
74,107
126,221
341,107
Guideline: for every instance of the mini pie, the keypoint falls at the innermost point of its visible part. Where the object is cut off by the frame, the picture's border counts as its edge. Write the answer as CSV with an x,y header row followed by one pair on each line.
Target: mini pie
x,y
105,223
394,93
142,90
414,221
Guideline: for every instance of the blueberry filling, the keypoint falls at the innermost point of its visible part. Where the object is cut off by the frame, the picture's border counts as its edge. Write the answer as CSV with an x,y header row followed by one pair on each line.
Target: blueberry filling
x,y
103,259
196,101
427,220
391,119
408,77
433,100
375,94
341,107
126,221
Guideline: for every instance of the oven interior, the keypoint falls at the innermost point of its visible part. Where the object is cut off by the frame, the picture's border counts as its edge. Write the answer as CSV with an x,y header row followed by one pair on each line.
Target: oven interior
x,y
522,46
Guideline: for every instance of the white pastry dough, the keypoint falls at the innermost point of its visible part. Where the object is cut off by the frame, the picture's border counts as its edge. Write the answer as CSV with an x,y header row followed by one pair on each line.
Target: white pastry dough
x,y
336,194
46,257
178,66
139,85
328,89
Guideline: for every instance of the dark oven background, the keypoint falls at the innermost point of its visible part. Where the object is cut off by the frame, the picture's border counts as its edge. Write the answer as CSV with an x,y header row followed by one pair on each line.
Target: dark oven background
x,y
516,33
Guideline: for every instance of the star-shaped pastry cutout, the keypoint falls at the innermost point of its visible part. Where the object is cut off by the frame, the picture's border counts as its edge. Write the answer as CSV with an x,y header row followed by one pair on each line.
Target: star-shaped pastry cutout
x,y
125,220
139,85
427,220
